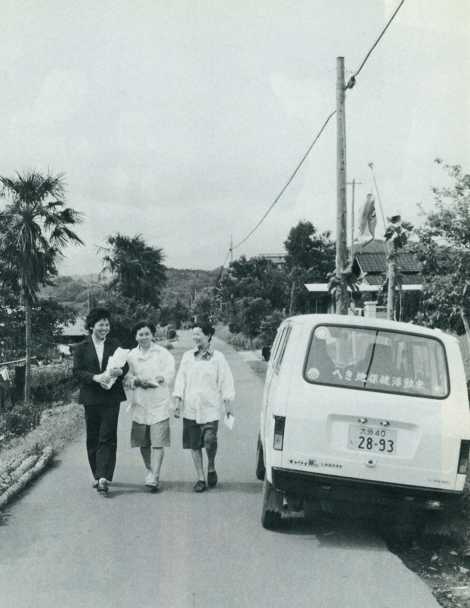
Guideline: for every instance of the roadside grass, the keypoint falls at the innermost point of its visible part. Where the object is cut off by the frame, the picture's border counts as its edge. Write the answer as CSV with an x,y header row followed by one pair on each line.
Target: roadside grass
x,y
57,427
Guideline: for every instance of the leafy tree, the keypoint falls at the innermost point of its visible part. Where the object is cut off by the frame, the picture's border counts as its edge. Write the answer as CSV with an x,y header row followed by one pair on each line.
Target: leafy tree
x,y
204,307
311,250
255,277
47,320
269,326
396,237
444,250
310,258
35,227
249,314
125,313
136,268
176,314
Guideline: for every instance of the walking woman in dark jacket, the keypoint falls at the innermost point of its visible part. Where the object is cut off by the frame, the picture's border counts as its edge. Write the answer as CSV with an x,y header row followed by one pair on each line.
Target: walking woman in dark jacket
x,y
101,403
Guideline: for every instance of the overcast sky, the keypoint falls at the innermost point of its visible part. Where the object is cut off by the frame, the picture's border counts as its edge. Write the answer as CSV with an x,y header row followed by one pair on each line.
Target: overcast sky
x,y
182,120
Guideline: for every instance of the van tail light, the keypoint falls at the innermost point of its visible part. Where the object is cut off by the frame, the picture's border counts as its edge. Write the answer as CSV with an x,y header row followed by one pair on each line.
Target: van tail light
x,y
279,426
463,457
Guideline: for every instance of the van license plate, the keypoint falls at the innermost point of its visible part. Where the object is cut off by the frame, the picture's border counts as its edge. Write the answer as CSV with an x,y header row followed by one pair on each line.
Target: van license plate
x,y
372,439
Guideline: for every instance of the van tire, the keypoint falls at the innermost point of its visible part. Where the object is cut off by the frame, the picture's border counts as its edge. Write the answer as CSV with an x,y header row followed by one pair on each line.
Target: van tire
x,y
271,512
260,468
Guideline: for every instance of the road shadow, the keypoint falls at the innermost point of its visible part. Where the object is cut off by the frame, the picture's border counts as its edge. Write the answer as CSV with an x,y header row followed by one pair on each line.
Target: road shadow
x,y
119,488
335,532
248,487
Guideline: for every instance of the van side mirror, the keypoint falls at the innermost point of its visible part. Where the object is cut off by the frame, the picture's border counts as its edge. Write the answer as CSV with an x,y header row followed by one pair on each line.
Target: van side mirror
x,y
266,353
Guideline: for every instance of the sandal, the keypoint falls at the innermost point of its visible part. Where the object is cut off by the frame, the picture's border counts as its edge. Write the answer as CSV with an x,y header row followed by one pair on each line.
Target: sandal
x,y
200,486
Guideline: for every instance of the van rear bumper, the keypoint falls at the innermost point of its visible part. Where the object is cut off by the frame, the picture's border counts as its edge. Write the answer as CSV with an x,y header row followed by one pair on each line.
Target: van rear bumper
x,y
308,485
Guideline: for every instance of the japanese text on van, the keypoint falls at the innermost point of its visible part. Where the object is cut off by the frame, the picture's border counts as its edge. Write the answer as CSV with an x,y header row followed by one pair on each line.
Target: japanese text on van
x,y
377,360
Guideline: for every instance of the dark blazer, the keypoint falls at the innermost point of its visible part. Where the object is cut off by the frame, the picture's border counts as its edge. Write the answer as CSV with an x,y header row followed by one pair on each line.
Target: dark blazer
x,y
86,365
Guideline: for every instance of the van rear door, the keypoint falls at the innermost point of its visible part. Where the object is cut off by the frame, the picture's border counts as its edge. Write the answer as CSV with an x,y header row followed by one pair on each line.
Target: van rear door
x,y
370,404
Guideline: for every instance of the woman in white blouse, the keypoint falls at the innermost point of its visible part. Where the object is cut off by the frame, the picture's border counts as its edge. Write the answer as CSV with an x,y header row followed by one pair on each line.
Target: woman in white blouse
x,y
204,382
151,369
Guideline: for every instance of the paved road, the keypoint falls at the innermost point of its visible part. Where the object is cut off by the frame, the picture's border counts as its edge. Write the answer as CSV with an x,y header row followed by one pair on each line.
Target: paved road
x,y
62,545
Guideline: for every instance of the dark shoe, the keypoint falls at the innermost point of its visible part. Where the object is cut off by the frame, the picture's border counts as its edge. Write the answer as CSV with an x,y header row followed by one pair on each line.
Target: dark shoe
x,y
200,486
95,484
103,487
211,479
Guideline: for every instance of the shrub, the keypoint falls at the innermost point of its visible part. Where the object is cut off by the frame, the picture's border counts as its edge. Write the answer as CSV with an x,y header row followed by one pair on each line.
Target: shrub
x,y
52,383
22,419
240,341
269,327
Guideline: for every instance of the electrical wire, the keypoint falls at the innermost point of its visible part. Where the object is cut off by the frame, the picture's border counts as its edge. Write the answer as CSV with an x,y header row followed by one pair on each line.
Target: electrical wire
x,y
296,170
350,84
352,80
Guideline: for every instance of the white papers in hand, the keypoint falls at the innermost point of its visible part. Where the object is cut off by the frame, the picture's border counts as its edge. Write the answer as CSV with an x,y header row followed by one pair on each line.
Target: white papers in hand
x,y
117,359
229,421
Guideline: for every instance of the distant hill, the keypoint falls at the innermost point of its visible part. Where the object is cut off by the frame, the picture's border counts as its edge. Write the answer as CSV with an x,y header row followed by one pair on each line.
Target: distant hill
x,y
182,284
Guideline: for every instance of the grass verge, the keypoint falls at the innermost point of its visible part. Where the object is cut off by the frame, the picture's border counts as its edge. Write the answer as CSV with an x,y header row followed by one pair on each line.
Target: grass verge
x,y
23,458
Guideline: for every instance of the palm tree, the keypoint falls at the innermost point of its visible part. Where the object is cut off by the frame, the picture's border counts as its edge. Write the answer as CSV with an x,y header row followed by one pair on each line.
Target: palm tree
x,y
136,268
35,227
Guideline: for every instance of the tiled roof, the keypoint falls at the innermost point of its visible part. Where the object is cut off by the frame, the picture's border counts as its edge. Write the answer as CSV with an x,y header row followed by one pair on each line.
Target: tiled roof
x,y
414,278
377,262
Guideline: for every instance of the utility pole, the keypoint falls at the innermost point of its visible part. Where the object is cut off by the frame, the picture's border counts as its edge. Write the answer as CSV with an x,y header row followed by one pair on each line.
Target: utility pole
x,y
231,249
392,279
341,294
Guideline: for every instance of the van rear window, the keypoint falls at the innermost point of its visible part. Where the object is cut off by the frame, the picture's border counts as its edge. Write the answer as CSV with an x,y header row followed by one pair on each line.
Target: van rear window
x,y
377,360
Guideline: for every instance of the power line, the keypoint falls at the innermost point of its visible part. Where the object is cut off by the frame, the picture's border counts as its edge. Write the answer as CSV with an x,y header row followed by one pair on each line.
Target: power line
x,y
350,84
296,170
352,80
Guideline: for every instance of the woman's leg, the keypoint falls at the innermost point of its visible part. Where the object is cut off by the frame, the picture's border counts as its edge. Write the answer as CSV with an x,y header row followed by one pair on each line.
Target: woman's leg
x,y
157,459
146,457
107,444
210,443
93,421
197,459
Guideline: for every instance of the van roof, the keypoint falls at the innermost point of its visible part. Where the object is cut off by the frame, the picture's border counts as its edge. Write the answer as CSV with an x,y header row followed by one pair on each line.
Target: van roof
x,y
311,320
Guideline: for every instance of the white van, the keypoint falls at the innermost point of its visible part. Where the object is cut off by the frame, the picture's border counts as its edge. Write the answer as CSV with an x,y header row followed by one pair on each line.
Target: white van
x,y
362,411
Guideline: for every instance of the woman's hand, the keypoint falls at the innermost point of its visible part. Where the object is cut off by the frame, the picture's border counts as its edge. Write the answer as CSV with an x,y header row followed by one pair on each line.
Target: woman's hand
x,y
177,412
228,407
114,372
139,382
98,378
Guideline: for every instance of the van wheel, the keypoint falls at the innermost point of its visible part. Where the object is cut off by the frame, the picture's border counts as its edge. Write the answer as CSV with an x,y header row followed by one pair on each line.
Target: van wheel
x,y
270,514
260,468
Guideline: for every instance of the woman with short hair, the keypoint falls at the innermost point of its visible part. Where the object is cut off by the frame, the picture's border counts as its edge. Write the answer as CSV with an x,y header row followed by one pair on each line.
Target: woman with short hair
x,y
151,369
101,402
203,384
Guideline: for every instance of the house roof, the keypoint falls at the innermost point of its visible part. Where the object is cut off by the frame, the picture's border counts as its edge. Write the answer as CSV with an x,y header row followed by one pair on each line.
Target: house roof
x,y
377,262
77,328
275,258
413,278
371,284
